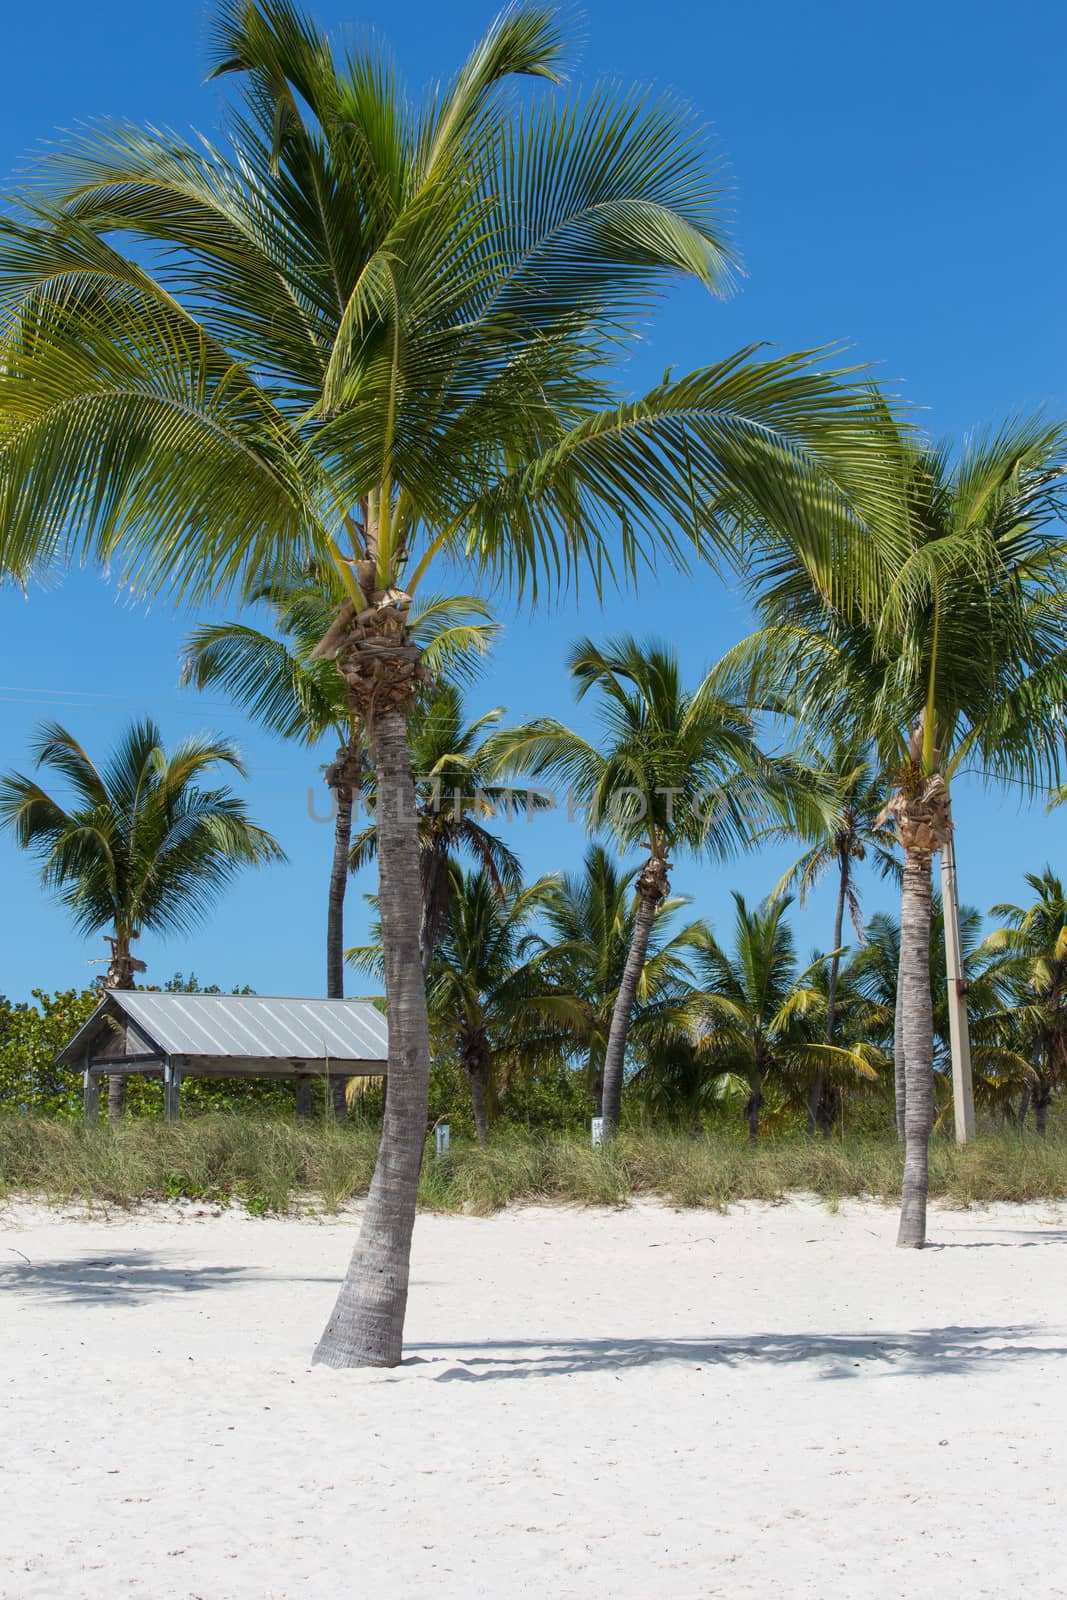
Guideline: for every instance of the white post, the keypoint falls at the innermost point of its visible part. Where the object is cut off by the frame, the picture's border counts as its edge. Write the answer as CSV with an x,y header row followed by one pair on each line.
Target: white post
x,y
596,1129
959,1030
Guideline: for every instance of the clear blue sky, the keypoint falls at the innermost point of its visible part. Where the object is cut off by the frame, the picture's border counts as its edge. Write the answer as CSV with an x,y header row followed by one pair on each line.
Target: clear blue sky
x,y
899,185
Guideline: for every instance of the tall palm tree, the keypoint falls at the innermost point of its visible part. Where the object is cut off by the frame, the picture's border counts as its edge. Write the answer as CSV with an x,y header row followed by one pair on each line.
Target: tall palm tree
x,y
763,1018
1031,955
677,770
273,675
960,663
455,801
588,931
873,974
143,845
379,331
845,828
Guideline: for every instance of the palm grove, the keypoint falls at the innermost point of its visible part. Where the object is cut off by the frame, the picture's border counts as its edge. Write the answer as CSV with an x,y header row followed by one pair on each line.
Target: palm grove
x,y
354,364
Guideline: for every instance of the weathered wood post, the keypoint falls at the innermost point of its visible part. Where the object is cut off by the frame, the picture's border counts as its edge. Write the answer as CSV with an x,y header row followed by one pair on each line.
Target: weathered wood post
x,y
90,1092
172,1090
303,1096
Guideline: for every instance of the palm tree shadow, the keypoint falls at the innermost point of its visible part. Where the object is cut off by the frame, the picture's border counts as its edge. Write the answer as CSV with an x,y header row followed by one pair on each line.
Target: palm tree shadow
x,y
1014,1239
123,1278
926,1352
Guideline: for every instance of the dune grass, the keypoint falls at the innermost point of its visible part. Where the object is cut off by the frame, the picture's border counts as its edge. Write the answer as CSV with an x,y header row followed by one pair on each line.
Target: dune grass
x,y
273,1165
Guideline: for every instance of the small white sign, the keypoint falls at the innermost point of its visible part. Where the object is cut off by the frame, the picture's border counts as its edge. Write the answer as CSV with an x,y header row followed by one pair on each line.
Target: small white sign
x,y
597,1126
442,1133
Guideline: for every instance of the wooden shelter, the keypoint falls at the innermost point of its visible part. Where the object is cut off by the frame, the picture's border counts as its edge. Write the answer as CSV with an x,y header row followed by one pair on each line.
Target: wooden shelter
x,y
174,1036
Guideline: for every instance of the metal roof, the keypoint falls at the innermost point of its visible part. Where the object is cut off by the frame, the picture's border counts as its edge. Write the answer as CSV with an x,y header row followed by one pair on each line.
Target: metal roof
x,y
249,1027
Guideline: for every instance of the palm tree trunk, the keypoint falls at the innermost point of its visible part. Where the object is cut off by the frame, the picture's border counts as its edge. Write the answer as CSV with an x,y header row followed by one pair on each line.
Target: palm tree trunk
x,y
1024,1106
752,1109
1042,1097
652,890
119,975
918,1033
435,865
481,1124
817,1112
900,1079
366,1327
335,918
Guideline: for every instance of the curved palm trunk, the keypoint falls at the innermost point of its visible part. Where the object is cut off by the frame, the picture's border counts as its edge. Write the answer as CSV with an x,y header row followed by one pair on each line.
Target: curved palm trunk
x,y
822,1108
918,1032
335,914
899,1066
366,1326
652,889
434,903
341,776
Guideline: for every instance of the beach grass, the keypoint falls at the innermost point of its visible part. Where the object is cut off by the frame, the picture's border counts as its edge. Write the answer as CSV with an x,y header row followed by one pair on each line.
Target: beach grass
x,y
271,1165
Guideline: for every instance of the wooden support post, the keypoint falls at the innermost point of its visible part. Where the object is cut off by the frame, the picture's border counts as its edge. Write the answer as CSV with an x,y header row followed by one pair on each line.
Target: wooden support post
x,y
303,1096
172,1090
90,1093
336,1098
958,1028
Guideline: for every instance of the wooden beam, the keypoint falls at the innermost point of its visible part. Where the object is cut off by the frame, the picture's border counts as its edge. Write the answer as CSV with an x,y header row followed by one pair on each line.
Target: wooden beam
x,y
303,1097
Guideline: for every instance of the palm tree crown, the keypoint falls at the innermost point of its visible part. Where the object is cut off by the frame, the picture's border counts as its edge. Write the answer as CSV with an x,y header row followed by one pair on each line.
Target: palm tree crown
x,y
762,1017
145,845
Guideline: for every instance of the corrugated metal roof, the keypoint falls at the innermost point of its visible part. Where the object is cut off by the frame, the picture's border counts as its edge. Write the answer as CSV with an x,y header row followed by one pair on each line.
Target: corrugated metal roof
x,y
252,1027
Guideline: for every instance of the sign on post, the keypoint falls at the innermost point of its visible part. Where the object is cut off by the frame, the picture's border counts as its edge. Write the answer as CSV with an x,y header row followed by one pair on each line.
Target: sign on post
x,y
597,1128
441,1134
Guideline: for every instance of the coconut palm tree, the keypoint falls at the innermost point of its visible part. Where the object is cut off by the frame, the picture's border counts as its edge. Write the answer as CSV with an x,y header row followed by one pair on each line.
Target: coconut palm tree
x,y
845,827
999,1070
763,1020
483,992
144,845
379,331
1031,956
677,770
959,665
588,932
455,801
271,674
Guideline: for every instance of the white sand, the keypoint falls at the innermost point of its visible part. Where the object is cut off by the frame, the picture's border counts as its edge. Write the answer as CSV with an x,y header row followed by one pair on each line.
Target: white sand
x,y
628,1405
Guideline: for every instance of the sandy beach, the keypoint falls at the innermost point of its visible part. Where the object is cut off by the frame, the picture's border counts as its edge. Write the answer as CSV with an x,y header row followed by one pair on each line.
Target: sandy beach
x,y
623,1404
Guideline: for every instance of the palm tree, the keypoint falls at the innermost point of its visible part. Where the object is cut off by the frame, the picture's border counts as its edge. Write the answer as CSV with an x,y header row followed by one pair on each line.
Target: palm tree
x,y
1031,956
762,1017
844,827
679,770
588,924
273,676
379,332
455,799
486,995
143,846
959,663
873,975
483,992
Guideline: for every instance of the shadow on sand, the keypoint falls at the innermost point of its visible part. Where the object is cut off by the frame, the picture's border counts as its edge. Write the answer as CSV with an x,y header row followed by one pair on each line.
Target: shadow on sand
x,y
927,1352
121,1277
